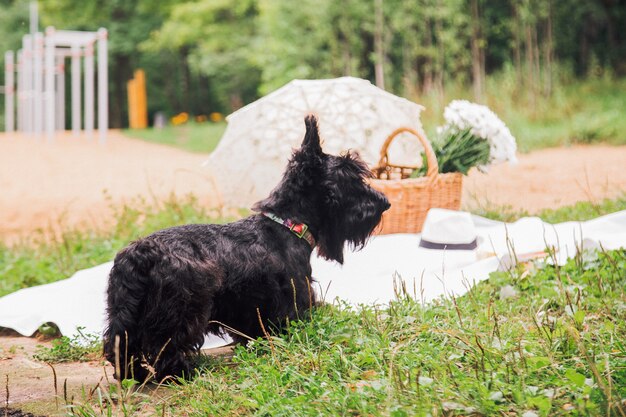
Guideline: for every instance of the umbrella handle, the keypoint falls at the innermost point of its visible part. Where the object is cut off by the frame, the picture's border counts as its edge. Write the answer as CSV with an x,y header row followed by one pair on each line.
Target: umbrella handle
x,y
431,159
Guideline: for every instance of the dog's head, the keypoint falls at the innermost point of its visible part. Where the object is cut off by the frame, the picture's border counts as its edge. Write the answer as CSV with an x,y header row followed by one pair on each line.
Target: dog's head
x,y
330,193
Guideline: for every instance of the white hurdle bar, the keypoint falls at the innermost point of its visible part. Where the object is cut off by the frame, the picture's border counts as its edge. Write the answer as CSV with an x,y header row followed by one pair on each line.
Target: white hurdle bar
x,y
40,93
103,83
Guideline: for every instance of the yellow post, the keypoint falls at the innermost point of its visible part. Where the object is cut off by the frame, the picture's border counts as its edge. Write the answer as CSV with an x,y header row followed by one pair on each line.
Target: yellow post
x,y
137,101
142,99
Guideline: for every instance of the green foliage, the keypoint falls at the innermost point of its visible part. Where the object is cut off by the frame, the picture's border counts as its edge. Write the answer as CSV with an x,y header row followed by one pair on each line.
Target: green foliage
x,y
202,56
41,261
82,347
194,137
217,36
457,152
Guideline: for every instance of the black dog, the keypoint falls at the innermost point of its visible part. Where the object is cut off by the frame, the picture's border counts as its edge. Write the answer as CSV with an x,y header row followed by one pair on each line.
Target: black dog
x,y
166,291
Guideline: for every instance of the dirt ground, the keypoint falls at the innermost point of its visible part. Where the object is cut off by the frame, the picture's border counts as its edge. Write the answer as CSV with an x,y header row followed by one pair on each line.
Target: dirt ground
x,y
74,181
31,384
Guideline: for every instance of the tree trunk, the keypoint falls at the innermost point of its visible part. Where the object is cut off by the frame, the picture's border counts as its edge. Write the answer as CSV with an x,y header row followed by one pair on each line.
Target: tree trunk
x,y
186,80
121,74
476,54
548,53
584,50
536,60
347,58
441,58
530,62
428,60
170,88
517,45
378,44
409,79
611,37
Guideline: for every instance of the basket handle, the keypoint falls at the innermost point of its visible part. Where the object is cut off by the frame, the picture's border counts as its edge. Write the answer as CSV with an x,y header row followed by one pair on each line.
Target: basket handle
x,y
431,159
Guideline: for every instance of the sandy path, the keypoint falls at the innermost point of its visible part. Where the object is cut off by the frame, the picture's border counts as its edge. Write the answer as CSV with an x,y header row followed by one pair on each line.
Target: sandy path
x,y
74,181
550,178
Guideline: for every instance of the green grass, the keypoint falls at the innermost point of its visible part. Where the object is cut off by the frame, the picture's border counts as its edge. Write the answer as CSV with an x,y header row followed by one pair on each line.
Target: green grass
x,y
555,348
41,261
193,137
79,348
580,211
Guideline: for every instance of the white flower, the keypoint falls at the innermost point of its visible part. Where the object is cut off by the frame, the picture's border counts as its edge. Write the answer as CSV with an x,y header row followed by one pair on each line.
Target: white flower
x,y
483,123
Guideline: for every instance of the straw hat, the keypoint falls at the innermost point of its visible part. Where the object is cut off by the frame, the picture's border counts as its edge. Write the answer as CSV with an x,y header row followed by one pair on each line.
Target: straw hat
x,y
448,230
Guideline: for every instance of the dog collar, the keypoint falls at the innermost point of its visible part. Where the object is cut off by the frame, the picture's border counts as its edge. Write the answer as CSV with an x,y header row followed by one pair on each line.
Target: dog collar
x,y
299,229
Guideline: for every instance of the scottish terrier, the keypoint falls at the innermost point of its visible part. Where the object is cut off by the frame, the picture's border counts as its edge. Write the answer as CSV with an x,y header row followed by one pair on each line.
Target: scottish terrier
x,y
167,290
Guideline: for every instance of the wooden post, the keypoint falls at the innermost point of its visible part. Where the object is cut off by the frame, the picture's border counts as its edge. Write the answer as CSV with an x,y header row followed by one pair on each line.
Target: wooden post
x,y
137,101
142,100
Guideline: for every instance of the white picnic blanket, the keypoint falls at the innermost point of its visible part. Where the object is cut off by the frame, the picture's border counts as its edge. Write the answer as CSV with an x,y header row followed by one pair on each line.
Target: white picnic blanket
x,y
368,276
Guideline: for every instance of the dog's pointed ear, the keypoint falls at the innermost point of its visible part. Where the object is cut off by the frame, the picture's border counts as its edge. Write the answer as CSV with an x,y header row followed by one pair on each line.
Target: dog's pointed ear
x,y
311,142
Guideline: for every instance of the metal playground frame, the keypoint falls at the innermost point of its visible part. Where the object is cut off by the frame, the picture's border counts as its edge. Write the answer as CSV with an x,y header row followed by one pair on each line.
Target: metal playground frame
x,y
40,74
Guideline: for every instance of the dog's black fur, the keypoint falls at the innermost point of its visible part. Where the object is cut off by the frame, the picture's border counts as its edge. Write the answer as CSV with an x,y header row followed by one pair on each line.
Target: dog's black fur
x,y
166,291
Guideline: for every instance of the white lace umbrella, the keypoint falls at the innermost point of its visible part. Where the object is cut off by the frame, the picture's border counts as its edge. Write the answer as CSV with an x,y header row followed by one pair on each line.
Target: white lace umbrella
x,y
353,114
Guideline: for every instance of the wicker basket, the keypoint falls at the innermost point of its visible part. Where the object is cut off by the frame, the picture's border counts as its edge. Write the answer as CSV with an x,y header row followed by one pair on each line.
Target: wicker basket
x,y
411,198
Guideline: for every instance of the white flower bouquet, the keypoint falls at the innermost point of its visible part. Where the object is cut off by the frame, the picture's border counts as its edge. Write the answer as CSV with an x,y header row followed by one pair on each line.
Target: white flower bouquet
x,y
472,136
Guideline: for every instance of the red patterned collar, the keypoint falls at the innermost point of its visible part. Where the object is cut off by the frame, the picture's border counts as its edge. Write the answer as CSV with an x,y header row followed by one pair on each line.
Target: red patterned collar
x,y
299,229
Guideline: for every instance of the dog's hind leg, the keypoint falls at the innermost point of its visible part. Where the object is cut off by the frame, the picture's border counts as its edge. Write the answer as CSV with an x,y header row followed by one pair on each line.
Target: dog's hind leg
x,y
177,313
125,300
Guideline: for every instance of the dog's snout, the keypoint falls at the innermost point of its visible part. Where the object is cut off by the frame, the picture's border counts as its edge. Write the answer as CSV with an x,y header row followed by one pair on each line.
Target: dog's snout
x,y
386,204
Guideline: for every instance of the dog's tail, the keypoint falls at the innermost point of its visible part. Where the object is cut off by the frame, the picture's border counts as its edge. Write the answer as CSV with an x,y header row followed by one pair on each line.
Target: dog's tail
x,y
125,298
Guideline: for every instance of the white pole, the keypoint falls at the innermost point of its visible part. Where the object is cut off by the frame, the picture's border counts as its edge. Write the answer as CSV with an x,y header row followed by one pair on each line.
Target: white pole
x,y
9,92
76,102
27,57
103,85
49,84
60,94
20,91
34,17
89,93
38,83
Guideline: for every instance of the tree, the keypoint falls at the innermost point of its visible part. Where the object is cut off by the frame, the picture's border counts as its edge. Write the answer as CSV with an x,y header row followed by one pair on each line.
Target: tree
x,y
216,37
128,22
